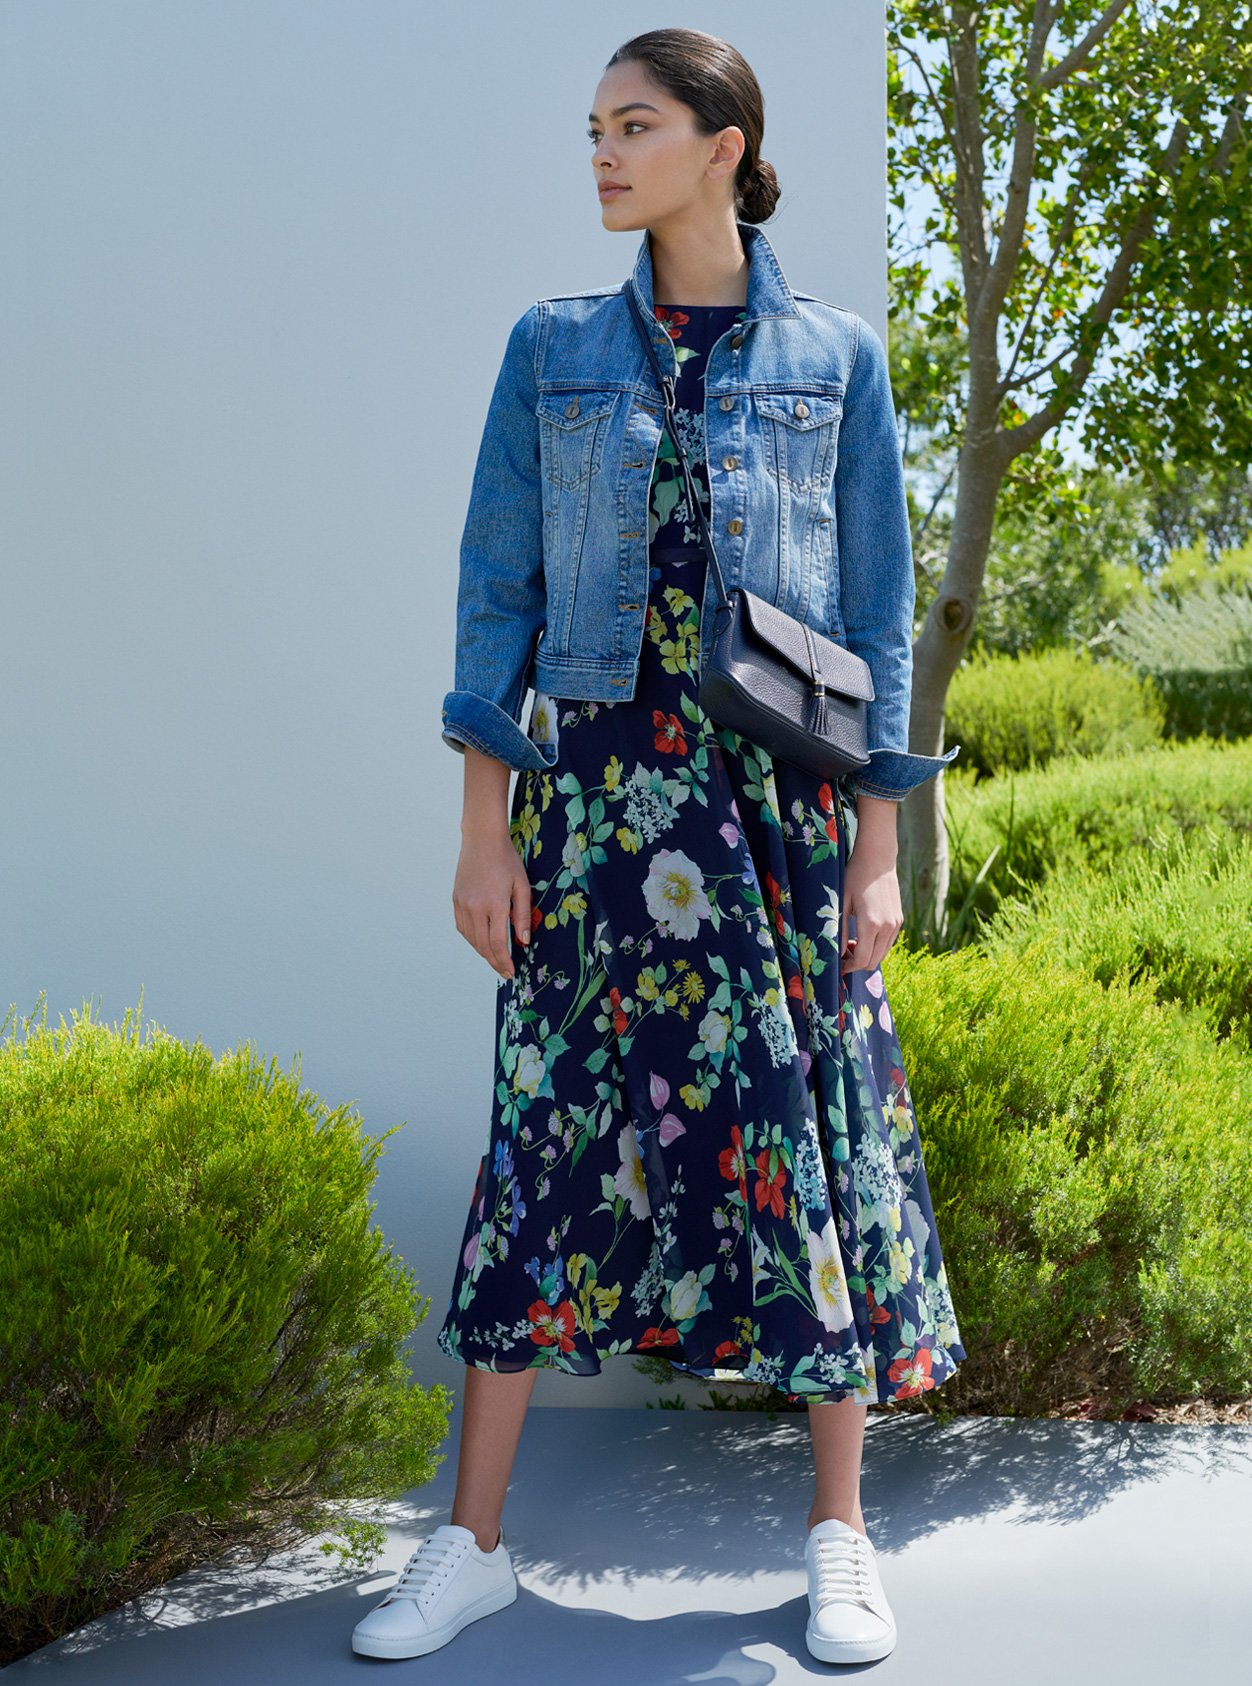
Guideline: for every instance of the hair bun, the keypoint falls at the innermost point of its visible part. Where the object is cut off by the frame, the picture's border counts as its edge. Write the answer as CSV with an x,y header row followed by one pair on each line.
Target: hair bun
x,y
759,192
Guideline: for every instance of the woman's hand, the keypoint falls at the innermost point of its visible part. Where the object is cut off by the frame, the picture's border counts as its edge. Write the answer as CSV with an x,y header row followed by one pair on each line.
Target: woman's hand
x,y
491,886
871,889
490,890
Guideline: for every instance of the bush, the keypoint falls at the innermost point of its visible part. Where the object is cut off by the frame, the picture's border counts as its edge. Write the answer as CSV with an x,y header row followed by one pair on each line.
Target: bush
x,y
1197,651
1086,813
1091,1167
200,1341
1174,912
1012,712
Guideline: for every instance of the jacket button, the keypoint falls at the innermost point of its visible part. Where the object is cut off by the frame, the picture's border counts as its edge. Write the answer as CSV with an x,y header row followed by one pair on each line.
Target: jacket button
x,y
730,462
736,342
618,681
802,408
571,409
735,526
728,403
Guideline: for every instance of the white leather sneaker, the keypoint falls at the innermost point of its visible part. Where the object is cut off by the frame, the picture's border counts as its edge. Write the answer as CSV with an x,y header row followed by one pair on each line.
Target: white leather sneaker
x,y
850,1620
448,1582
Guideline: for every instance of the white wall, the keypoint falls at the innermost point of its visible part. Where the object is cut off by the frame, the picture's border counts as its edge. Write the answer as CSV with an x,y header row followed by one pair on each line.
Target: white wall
x,y
259,262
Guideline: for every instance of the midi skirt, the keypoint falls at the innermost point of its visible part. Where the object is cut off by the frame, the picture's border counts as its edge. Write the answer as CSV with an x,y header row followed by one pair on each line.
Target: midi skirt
x,y
702,1144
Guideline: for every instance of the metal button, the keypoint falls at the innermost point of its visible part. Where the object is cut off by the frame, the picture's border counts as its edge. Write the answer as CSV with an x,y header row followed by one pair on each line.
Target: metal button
x,y
619,681
736,342
728,403
735,526
630,605
571,409
730,462
802,408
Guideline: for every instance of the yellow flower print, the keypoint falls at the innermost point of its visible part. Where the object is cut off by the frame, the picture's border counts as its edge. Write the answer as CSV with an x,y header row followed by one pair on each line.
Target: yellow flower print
x,y
613,773
900,1261
607,1299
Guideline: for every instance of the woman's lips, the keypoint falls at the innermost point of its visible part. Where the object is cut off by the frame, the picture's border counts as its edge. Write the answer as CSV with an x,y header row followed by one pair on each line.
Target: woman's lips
x,y
612,192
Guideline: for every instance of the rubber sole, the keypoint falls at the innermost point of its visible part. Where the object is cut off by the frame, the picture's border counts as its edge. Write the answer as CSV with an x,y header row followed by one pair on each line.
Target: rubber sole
x,y
850,1650
434,1638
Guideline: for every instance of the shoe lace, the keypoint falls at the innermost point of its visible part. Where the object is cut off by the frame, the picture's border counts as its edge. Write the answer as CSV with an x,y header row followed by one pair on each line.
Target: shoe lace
x,y
843,1568
427,1568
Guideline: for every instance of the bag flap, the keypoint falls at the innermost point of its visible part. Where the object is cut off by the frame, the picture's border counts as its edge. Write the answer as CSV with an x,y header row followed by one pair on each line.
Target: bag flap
x,y
841,670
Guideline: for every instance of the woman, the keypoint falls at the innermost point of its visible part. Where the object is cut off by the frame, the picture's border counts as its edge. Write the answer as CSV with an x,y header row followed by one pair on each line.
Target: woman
x,y
702,1142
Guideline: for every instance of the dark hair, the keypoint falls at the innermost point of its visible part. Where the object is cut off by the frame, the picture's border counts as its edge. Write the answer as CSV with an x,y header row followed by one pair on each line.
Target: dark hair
x,y
717,82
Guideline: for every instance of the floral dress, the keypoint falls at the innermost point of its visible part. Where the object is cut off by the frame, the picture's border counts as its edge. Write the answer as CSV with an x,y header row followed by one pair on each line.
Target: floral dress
x,y
702,1143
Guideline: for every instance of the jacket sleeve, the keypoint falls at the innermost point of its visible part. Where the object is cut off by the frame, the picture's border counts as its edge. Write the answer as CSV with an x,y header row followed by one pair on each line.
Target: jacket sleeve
x,y
501,595
877,590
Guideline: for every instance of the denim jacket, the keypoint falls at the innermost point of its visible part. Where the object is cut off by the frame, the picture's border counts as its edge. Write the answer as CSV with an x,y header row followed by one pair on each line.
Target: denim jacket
x,y
807,506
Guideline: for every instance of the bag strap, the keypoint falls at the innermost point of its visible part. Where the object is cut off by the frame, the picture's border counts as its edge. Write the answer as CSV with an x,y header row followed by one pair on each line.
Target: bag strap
x,y
667,384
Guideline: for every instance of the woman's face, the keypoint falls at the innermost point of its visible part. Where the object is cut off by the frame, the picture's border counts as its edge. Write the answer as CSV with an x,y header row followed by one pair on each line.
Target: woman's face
x,y
645,142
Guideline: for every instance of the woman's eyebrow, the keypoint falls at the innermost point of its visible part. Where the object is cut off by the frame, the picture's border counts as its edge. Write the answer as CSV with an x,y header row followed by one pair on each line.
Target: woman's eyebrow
x,y
620,110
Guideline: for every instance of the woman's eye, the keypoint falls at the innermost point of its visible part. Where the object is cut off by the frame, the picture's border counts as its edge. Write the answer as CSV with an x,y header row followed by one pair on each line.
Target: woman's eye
x,y
594,134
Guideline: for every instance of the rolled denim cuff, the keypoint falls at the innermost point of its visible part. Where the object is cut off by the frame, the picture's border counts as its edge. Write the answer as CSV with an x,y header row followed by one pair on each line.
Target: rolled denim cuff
x,y
474,720
893,773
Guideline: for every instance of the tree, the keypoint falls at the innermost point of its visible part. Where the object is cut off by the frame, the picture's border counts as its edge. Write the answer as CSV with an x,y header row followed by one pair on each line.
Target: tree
x,y
1073,178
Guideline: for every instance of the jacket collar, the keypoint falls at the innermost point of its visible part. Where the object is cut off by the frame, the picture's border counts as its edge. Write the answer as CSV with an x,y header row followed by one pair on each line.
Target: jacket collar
x,y
768,292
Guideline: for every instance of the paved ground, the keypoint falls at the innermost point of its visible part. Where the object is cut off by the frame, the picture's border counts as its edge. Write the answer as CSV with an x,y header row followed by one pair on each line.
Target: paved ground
x,y
660,1547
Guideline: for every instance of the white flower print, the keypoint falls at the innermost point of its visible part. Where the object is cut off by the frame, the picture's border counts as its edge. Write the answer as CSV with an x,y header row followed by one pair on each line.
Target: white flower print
x,y
674,893
629,1181
827,1280
530,1071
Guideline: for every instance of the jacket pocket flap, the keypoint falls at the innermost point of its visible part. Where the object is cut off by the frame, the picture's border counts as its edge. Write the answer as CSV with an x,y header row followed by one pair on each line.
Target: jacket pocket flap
x,y
816,409
840,669
574,409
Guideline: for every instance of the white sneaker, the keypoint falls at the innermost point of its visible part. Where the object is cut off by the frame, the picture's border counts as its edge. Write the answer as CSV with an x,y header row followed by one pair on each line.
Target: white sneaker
x,y
448,1582
850,1620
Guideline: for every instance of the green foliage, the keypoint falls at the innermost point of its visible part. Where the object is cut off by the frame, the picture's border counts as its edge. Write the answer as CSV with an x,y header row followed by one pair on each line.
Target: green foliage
x,y
1092,1172
1174,913
1082,192
1084,815
201,1332
1021,711
1196,647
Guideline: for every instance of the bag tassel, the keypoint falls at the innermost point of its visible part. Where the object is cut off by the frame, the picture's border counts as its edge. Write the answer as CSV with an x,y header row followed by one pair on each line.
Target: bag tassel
x,y
819,711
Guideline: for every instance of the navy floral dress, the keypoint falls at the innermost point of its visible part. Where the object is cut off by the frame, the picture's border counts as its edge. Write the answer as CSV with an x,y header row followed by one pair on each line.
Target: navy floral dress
x,y
702,1142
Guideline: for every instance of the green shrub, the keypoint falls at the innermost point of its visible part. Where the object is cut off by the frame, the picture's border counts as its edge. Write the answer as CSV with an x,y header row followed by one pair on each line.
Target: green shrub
x,y
1197,651
1086,813
1012,712
1175,913
1091,1164
200,1340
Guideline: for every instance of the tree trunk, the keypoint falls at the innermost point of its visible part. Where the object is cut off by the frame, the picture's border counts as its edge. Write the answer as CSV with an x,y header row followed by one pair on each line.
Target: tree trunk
x,y
923,864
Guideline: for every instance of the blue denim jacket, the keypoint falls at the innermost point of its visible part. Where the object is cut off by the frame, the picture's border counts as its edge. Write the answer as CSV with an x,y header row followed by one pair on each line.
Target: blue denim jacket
x,y
806,488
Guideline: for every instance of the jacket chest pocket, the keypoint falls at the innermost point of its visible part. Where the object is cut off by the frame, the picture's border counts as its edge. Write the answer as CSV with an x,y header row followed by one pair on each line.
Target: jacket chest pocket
x,y
799,436
572,430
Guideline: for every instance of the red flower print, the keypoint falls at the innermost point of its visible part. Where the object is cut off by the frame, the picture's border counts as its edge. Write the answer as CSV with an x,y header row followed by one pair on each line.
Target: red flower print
x,y
733,1164
552,1327
831,828
913,1372
536,919
659,1337
769,1189
728,1349
795,986
669,736
877,1313
826,799
620,1018
672,320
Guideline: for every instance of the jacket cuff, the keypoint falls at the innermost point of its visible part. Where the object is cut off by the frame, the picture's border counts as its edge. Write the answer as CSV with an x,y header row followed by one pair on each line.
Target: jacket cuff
x,y
474,720
893,773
